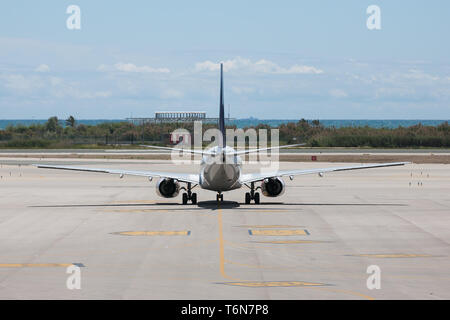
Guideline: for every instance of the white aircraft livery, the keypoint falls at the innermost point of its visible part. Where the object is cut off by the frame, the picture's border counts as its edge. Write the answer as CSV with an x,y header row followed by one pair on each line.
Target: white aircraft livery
x,y
220,170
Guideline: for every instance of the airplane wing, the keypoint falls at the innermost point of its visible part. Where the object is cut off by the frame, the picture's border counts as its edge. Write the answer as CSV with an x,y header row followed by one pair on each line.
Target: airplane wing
x,y
264,149
254,177
234,153
193,151
182,177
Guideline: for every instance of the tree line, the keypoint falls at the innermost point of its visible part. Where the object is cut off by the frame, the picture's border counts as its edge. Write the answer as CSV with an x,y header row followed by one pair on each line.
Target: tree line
x,y
56,133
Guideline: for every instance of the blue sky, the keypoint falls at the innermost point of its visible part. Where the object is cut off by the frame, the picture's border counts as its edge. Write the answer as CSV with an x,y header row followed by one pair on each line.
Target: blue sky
x,y
283,59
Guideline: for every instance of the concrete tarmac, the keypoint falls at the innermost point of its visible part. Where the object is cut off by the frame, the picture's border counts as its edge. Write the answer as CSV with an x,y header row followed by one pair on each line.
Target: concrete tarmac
x,y
314,242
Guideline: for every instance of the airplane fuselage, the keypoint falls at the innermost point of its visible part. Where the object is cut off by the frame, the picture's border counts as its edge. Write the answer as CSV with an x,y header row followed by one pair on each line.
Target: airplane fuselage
x,y
220,172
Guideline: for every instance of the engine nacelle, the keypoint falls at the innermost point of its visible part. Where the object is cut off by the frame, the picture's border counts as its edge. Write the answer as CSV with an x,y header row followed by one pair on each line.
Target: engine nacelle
x,y
167,188
272,187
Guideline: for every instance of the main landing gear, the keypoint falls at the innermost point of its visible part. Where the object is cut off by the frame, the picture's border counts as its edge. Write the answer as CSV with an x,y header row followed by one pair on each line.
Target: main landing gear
x,y
189,196
252,195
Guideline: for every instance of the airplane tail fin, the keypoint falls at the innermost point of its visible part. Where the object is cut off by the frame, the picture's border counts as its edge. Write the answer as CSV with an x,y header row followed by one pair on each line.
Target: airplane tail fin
x,y
223,141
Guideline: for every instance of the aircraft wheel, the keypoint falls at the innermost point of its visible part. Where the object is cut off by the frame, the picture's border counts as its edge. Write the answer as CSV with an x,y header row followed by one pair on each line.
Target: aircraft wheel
x,y
194,198
247,198
185,198
256,198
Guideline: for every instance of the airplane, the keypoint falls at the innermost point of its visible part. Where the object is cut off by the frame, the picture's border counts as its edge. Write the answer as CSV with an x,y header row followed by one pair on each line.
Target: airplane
x,y
220,170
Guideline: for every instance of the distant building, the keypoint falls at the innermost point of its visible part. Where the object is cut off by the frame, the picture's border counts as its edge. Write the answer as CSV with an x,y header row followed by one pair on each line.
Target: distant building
x,y
175,116
179,116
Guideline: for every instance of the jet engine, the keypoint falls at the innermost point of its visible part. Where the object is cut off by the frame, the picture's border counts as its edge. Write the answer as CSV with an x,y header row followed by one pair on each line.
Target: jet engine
x,y
167,188
272,187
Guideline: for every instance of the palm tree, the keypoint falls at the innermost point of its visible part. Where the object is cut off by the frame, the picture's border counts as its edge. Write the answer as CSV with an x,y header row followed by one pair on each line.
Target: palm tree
x,y
70,121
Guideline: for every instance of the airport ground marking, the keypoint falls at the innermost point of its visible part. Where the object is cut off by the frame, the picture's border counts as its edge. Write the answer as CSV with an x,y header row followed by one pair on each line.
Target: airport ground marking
x,y
248,265
154,233
269,226
239,245
222,245
40,265
266,284
136,210
395,255
353,293
245,283
278,232
289,241
260,284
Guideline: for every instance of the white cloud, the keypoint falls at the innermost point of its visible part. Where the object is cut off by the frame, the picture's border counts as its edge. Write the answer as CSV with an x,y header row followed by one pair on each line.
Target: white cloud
x,y
209,66
419,75
42,68
260,66
132,68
